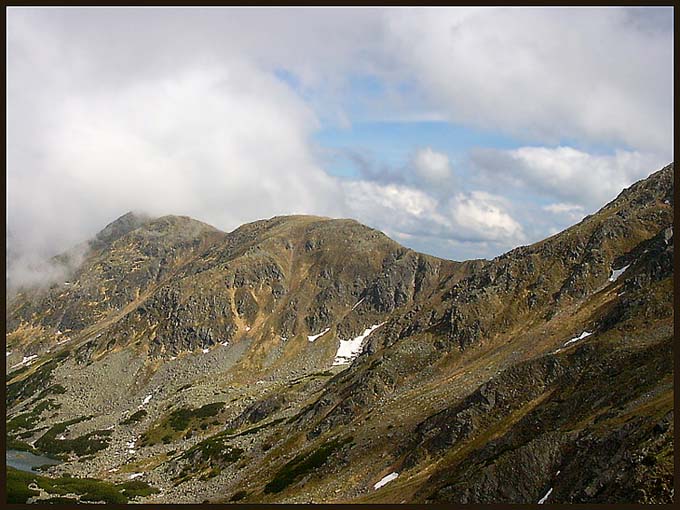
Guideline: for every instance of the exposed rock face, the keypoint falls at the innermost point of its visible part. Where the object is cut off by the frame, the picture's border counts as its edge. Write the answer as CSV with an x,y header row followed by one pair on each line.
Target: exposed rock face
x,y
526,286
544,374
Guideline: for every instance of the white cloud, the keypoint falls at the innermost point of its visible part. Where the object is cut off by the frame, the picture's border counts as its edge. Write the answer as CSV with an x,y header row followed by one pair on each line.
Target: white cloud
x,y
432,166
415,215
562,208
548,74
182,112
483,214
565,173
397,206
225,145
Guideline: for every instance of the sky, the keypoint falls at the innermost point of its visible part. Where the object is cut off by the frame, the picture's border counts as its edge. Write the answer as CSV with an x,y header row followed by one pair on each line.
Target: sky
x,y
458,132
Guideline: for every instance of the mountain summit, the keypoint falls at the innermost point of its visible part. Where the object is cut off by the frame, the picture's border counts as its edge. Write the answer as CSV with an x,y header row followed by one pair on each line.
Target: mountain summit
x,y
302,359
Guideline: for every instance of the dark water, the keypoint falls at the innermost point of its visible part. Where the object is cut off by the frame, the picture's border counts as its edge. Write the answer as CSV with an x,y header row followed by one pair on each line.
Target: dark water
x,y
26,461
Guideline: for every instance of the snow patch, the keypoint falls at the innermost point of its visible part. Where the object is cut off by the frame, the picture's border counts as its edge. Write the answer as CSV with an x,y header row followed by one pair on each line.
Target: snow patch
x,y
545,498
247,328
350,349
577,338
311,338
146,400
617,272
358,303
387,479
206,351
8,353
26,361
225,343
135,475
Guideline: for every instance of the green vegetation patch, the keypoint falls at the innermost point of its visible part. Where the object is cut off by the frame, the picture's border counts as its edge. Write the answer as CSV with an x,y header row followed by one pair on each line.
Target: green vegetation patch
x,y
16,373
17,486
238,496
182,423
38,380
29,419
87,489
136,488
254,430
16,444
303,464
135,417
208,458
84,445
59,500
55,389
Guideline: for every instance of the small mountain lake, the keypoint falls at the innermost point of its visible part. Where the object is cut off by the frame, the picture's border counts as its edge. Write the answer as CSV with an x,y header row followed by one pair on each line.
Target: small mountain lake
x,y
26,461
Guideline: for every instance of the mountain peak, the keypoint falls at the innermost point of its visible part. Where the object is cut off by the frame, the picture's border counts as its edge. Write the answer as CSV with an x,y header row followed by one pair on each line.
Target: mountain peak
x,y
119,227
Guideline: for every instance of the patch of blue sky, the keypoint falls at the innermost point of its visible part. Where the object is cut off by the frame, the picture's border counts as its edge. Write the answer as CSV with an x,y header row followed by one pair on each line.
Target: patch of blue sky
x,y
386,123
289,79
394,143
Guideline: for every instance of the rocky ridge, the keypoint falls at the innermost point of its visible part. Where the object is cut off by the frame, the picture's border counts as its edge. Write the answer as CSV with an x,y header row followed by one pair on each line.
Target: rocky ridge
x,y
551,357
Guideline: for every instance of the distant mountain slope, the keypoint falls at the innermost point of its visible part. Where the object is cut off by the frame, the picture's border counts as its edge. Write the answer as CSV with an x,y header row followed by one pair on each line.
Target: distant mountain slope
x,y
208,363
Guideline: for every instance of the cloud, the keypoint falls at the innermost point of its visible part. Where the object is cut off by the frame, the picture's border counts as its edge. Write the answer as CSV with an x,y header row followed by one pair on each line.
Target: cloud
x,y
432,166
593,75
416,216
196,112
564,173
562,208
483,215
225,145
396,206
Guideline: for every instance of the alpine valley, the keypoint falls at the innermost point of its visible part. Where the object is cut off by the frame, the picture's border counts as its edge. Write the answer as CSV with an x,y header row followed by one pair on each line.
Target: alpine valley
x,y
303,359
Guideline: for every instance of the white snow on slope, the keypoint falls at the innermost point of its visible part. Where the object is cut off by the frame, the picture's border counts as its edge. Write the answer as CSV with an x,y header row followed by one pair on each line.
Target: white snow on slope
x,y
577,338
8,353
545,498
358,303
350,349
26,361
135,475
387,479
311,338
206,351
617,272
146,400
